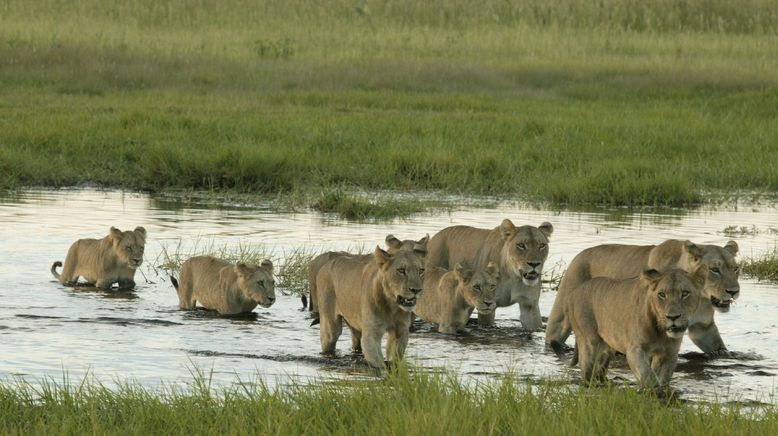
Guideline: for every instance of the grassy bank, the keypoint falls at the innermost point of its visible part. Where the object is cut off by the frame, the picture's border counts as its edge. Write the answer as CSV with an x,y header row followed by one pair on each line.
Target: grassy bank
x,y
419,404
622,102
762,268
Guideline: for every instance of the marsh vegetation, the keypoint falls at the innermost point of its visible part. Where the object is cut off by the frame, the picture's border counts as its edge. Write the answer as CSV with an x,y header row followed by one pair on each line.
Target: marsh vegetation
x,y
620,102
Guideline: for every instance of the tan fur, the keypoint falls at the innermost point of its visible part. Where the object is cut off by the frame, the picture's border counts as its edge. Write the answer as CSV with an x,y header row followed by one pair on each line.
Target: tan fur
x,y
103,262
450,296
392,243
625,261
226,288
374,295
643,318
520,253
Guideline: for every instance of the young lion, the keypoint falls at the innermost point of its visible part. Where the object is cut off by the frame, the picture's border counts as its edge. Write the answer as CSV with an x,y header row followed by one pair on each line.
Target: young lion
x,y
625,261
450,296
644,318
392,243
103,262
374,295
519,252
223,287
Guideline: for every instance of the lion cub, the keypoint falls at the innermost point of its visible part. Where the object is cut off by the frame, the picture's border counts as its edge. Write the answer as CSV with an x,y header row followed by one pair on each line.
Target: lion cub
x,y
450,296
223,287
103,262
644,318
374,295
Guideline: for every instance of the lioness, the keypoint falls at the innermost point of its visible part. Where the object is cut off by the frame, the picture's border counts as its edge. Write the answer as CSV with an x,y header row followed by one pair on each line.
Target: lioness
x,y
643,317
223,287
450,296
103,262
624,261
392,243
518,251
374,295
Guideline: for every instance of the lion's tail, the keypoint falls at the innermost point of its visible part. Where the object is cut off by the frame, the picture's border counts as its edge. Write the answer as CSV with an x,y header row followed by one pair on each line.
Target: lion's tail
x,y
174,281
559,350
54,269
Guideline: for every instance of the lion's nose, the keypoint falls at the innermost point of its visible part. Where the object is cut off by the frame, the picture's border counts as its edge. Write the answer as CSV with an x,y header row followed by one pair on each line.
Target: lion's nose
x,y
733,291
672,317
415,291
271,299
534,265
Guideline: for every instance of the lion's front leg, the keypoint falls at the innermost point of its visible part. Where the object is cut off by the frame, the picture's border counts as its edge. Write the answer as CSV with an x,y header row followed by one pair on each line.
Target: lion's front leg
x,y
104,284
126,284
664,366
371,348
397,343
639,364
707,338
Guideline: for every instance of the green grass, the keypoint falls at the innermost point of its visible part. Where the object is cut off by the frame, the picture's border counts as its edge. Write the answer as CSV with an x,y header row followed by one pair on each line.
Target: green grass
x,y
353,207
619,102
762,268
421,403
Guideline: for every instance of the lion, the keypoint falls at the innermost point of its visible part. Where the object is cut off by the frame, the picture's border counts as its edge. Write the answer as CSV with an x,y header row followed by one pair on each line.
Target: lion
x,y
624,261
520,253
103,262
643,317
450,296
226,288
374,295
392,243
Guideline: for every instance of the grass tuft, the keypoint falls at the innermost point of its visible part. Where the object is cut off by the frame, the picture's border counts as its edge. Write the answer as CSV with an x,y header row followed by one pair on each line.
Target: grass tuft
x,y
762,268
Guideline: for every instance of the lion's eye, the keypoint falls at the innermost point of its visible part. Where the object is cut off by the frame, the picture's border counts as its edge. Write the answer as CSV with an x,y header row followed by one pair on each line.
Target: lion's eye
x,y
477,287
542,246
521,246
661,295
684,294
715,270
421,271
261,283
401,271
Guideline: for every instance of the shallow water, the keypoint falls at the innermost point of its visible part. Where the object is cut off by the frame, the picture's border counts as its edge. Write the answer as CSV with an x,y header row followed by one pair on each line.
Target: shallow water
x,y
47,329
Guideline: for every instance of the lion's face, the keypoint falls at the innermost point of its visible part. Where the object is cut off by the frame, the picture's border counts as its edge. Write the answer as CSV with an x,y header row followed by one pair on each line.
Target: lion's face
x,y
525,249
479,287
721,272
256,282
128,246
402,274
675,296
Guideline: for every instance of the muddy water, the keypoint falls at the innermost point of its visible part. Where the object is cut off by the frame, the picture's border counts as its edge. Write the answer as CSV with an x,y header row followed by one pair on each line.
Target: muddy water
x,y
47,329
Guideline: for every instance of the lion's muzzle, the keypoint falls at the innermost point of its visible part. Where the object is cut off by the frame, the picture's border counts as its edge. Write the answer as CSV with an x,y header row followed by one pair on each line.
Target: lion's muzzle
x,y
406,303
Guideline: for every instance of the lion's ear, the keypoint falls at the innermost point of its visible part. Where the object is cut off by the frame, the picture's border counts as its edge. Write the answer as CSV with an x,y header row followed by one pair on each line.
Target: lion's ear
x,y
463,272
493,270
141,233
732,247
242,269
650,276
267,264
381,256
393,242
115,235
546,228
507,229
693,249
420,247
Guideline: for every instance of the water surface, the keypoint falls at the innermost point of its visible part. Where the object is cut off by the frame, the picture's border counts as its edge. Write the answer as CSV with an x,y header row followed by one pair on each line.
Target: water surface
x,y
46,328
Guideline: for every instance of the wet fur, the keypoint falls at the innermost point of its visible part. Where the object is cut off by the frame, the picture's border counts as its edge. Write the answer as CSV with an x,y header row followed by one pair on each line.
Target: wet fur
x,y
478,247
626,261
103,262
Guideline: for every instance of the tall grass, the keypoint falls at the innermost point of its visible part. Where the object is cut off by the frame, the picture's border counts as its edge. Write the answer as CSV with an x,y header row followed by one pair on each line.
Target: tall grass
x,y
764,267
403,403
617,101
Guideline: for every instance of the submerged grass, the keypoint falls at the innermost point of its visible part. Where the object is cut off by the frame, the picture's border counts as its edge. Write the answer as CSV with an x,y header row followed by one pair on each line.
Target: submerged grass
x,y
762,268
402,403
353,207
616,102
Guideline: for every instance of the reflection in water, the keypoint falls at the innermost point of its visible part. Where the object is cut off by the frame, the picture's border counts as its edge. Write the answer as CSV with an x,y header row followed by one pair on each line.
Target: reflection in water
x,y
45,327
